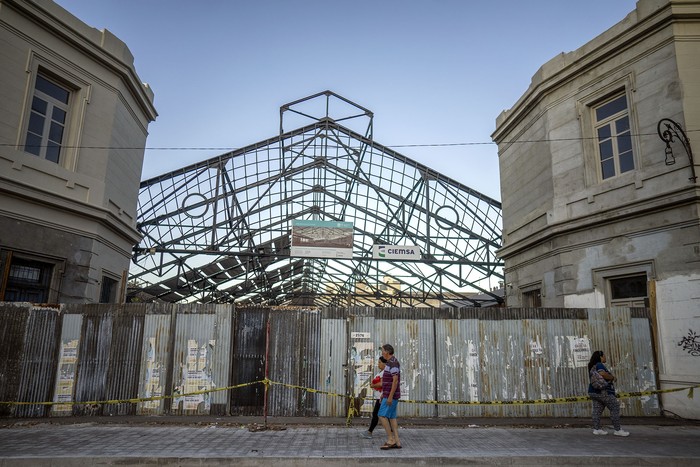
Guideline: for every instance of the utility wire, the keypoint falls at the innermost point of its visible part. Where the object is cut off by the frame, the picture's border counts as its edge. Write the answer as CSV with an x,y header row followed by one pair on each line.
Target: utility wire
x,y
426,145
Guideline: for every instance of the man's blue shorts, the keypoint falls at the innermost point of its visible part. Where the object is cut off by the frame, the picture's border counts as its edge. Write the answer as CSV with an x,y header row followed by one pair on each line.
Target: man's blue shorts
x,y
388,411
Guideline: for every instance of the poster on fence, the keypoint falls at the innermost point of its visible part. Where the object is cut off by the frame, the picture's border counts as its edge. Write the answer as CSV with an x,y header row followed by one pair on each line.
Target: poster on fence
x,y
65,379
152,379
580,350
196,378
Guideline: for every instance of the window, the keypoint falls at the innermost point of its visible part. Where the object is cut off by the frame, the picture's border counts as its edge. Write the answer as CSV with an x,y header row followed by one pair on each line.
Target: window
x,y
628,290
614,138
532,298
47,119
626,284
28,281
108,291
531,295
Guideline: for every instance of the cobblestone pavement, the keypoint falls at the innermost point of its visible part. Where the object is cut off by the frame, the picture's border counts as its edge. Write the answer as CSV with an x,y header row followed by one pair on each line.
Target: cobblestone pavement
x,y
40,444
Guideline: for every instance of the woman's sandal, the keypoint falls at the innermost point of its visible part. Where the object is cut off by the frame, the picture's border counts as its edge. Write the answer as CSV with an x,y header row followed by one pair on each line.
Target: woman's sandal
x,y
386,446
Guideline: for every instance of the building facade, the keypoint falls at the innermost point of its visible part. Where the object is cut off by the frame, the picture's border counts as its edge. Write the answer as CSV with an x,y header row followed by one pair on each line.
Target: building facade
x,y
596,214
74,117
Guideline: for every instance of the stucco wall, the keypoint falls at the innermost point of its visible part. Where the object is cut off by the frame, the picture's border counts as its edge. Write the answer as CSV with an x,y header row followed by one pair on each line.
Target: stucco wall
x,y
84,206
568,238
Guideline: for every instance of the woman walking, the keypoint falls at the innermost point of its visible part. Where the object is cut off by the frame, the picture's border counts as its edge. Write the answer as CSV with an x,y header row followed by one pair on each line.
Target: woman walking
x,y
604,397
376,384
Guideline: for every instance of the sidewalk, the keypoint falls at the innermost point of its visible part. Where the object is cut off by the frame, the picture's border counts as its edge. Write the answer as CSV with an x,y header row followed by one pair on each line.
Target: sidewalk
x,y
315,442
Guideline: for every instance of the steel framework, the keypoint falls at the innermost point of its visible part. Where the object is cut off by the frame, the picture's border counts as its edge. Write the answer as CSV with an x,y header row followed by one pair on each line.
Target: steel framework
x,y
220,230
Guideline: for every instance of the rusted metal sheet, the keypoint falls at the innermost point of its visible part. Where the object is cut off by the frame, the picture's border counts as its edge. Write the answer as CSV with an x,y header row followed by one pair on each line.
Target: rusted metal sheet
x,y
536,364
13,325
502,367
38,372
629,355
333,368
93,359
221,358
562,363
67,364
248,360
610,331
125,351
125,357
458,344
192,359
646,371
414,346
155,355
363,357
568,372
293,355
410,332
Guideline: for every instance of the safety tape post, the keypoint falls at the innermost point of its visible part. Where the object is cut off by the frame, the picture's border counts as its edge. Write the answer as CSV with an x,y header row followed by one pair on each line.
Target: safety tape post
x,y
352,411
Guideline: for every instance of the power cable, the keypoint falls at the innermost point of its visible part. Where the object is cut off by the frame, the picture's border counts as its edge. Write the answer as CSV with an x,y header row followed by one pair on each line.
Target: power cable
x,y
392,146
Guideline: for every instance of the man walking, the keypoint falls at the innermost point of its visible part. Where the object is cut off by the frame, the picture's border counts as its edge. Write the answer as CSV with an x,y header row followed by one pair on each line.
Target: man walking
x,y
391,393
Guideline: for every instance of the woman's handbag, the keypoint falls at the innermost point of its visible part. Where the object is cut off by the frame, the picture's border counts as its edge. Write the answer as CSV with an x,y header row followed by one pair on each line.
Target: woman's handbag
x,y
597,380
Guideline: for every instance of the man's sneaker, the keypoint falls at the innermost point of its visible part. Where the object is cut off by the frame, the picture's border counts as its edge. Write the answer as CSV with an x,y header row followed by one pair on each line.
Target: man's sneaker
x,y
601,432
621,433
367,434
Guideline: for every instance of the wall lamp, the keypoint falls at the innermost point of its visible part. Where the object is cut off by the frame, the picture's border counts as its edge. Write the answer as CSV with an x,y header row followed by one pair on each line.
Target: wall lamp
x,y
674,130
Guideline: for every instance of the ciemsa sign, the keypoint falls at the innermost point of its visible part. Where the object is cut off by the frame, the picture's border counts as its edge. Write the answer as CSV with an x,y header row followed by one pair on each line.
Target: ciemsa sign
x,y
399,252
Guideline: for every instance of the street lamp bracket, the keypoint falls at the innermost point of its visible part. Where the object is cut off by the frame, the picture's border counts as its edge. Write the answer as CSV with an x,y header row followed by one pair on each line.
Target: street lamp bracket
x,y
668,130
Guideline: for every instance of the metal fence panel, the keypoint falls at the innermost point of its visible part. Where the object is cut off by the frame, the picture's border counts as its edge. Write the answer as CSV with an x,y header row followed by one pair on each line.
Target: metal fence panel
x,y
221,358
67,364
415,347
332,377
124,357
458,368
502,366
364,356
566,378
646,372
99,352
38,372
248,360
192,359
310,361
293,346
536,364
155,355
93,360
13,325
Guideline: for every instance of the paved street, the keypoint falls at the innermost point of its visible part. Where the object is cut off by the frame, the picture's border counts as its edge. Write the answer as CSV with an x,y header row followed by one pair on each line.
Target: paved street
x,y
221,442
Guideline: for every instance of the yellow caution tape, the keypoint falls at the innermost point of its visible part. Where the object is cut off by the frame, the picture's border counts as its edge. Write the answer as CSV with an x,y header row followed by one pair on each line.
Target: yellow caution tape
x,y
555,400
133,400
311,390
352,410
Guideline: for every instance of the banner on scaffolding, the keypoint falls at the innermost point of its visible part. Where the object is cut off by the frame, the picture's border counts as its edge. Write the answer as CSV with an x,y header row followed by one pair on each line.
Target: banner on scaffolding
x,y
321,239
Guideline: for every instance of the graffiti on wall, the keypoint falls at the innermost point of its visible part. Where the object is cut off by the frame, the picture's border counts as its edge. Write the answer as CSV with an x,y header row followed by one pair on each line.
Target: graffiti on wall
x,y
691,343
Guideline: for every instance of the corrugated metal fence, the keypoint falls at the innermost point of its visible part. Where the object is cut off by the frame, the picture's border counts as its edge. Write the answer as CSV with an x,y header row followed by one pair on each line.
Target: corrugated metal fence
x,y
108,352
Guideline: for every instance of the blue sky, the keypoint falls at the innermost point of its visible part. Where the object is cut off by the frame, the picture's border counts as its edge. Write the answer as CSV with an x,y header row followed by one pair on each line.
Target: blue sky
x,y
433,72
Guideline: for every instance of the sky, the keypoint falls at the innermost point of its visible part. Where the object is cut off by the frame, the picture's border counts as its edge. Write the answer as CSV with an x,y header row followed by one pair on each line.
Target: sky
x,y
434,72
